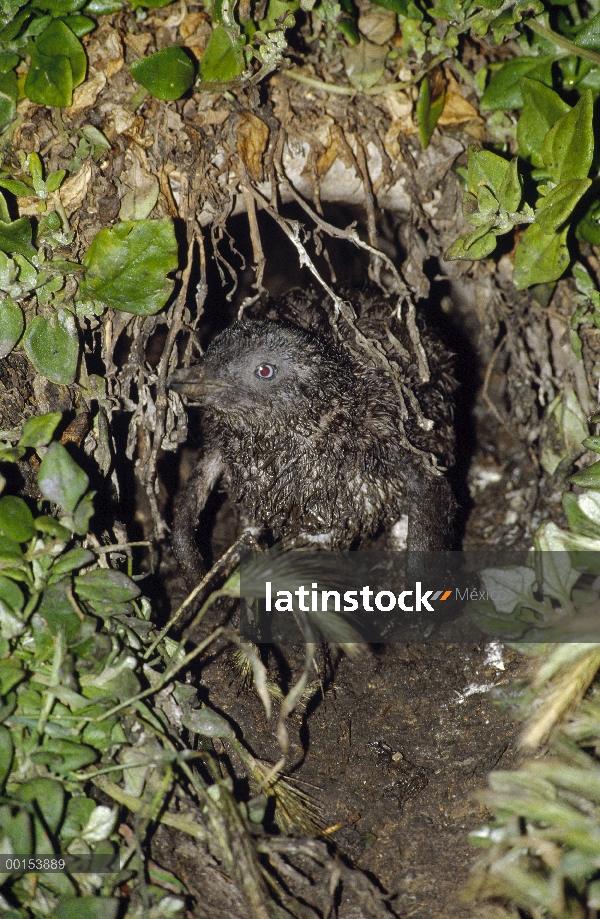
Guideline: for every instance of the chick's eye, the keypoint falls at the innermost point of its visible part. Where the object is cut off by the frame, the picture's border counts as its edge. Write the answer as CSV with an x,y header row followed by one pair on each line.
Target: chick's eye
x,y
265,371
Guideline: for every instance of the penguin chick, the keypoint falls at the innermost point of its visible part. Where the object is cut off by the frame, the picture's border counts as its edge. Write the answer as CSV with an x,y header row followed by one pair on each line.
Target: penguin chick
x,y
306,439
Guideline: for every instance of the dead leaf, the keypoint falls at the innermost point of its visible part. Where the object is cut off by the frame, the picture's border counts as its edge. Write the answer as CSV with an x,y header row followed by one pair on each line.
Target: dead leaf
x,y
105,51
165,187
456,108
364,63
139,202
252,139
29,206
378,25
400,107
138,42
120,120
337,147
86,94
74,191
190,24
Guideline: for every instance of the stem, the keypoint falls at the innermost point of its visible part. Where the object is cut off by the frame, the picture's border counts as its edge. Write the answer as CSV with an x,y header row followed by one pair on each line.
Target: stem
x,y
178,821
167,675
562,42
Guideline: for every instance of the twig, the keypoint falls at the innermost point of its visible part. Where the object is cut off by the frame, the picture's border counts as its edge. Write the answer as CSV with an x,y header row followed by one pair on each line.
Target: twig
x,y
568,46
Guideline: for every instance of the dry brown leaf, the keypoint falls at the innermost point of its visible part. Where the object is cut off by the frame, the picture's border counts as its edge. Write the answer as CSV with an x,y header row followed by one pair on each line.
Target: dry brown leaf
x,y
337,147
252,139
400,108
138,42
105,52
86,94
378,25
205,119
190,24
29,206
74,191
141,195
119,120
456,108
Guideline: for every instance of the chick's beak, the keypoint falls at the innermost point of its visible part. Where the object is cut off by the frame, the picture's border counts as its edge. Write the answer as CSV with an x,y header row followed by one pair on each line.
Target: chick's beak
x,y
187,381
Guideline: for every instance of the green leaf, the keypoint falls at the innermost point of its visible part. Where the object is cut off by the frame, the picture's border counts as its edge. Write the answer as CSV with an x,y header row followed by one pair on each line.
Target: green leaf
x,y
502,26
79,25
11,554
58,39
18,187
168,74
8,60
568,147
71,561
589,478
396,6
542,108
6,755
88,907
510,192
106,586
592,443
16,237
221,61
10,454
105,7
59,7
11,594
11,325
558,204
347,26
11,674
540,257
280,16
83,513
589,35
472,246
52,346
485,168
208,723
16,520
53,528
588,227
54,180
127,266
49,796
38,431
8,96
504,89
583,513
428,111
64,755
58,64
60,479
57,608
79,810
49,80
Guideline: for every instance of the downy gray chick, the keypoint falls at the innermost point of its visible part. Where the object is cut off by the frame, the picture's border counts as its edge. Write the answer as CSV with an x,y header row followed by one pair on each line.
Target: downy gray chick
x,y
305,436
